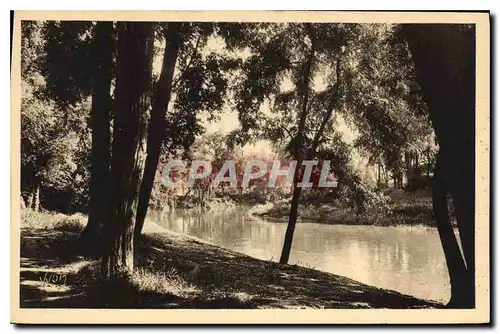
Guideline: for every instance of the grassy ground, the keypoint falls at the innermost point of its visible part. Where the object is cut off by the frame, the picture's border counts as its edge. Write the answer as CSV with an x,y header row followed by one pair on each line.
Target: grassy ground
x,y
175,271
406,209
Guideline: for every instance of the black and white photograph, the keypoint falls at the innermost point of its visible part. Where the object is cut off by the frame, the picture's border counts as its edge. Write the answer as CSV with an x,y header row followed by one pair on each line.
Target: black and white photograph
x,y
279,161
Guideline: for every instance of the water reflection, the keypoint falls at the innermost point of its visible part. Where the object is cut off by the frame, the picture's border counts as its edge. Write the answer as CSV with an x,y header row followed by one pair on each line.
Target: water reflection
x,y
408,260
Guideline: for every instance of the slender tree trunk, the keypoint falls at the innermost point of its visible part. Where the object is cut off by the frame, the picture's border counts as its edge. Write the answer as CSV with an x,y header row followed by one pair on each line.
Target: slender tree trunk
x,y
287,245
157,124
29,200
428,155
36,199
454,261
386,176
408,163
132,96
463,200
100,123
378,174
298,152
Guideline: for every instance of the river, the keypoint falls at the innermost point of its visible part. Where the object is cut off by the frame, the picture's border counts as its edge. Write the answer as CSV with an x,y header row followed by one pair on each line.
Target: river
x,y
408,260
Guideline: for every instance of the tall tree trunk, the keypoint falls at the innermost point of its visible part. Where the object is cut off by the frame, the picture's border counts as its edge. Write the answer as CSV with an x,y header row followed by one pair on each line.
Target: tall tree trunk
x,y
408,165
456,266
428,155
444,56
132,96
103,50
36,198
298,151
378,175
157,124
463,200
386,175
287,245
29,200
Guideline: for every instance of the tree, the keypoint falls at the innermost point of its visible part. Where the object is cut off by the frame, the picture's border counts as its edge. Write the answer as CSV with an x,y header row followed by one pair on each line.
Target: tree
x,y
32,149
200,86
79,64
384,103
297,70
158,121
53,135
100,119
444,58
300,152
132,100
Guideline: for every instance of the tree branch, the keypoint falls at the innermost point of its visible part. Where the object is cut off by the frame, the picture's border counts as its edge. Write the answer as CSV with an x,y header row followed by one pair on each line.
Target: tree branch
x,y
284,128
176,80
304,91
330,109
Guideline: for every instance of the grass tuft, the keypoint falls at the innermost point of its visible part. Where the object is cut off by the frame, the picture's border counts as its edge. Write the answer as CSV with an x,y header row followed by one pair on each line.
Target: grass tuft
x,y
169,282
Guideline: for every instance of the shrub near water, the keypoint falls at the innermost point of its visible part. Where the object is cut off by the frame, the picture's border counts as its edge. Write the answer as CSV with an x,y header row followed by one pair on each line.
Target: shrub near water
x,y
405,208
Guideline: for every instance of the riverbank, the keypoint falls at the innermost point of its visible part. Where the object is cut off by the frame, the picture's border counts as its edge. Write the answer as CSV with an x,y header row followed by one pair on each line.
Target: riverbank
x,y
176,271
405,209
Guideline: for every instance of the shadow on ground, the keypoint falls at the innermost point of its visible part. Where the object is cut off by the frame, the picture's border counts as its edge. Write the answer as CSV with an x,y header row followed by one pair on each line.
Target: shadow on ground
x,y
52,275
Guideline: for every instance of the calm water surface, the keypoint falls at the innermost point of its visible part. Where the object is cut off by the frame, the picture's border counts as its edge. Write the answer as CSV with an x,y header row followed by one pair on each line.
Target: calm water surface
x,y
408,260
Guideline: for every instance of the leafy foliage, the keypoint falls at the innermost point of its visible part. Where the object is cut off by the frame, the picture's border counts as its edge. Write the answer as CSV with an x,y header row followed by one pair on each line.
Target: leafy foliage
x,y
54,140
200,85
69,55
274,94
384,103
